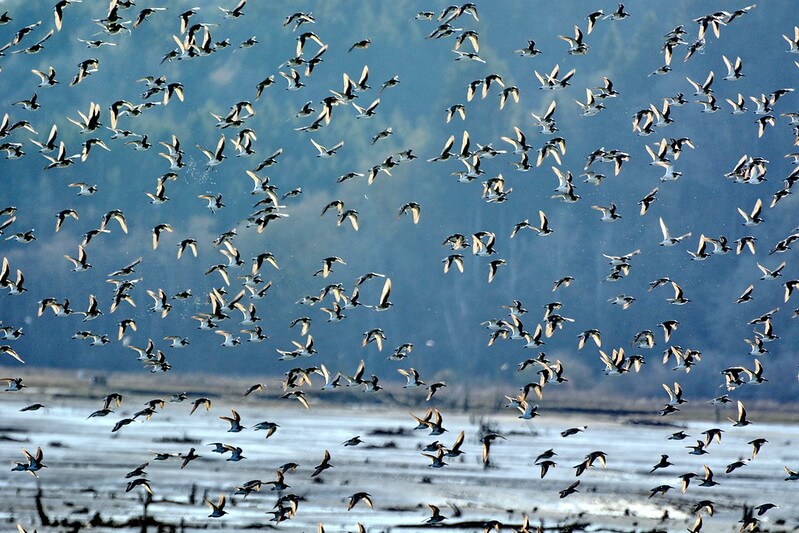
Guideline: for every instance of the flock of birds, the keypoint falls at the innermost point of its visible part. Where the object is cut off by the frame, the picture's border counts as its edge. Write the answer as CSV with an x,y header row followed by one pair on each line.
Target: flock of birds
x,y
113,127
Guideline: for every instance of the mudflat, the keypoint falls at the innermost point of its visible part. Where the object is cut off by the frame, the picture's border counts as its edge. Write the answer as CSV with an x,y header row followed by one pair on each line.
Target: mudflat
x,y
84,481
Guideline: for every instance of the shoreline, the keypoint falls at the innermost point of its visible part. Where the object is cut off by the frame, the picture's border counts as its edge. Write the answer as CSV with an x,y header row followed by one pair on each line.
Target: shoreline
x,y
488,399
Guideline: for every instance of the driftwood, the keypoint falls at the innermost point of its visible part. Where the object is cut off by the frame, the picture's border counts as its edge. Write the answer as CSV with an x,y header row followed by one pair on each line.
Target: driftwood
x,y
43,518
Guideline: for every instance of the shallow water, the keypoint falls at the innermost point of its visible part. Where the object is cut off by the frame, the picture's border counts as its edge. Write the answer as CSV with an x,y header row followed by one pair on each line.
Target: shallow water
x,y
87,463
